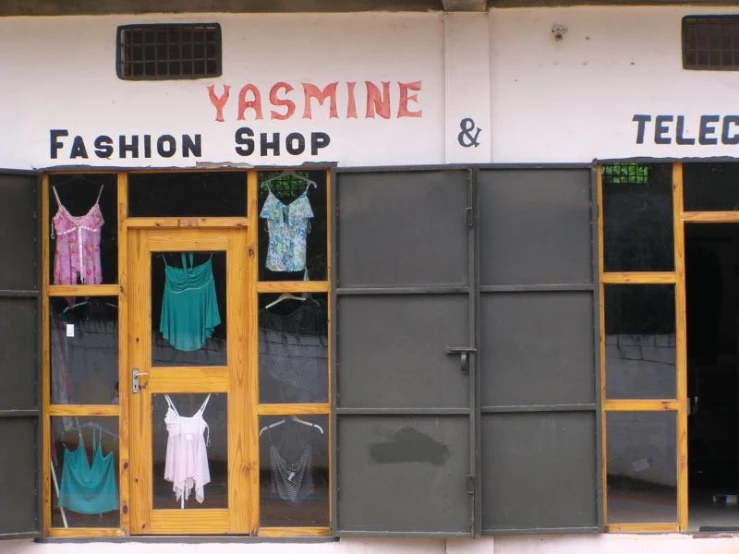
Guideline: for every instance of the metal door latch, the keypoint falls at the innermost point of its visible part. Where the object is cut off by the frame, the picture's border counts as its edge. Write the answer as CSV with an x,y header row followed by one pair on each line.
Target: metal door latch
x,y
470,484
135,386
464,355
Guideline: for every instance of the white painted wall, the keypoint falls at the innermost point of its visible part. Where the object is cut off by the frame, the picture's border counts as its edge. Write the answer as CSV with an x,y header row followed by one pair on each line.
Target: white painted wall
x,y
59,73
573,100
534,99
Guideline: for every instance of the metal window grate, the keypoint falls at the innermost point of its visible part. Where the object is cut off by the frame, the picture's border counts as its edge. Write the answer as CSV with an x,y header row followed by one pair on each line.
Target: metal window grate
x,y
711,42
169,51
625,173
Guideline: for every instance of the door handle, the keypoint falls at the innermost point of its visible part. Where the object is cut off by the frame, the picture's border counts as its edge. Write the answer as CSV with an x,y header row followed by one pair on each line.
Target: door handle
x,y
135,386
464,355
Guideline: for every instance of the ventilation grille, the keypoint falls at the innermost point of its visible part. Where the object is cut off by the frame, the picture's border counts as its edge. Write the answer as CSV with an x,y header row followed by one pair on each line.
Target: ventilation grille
x,y
711,42
151,52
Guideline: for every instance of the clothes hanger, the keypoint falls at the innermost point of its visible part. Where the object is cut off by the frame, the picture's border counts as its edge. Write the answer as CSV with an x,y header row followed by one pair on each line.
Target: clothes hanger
x,y
164,259
309,296
284,296
74,178
78,304
87,425
292,418
73,306
294,175
98,427
271,426
308,423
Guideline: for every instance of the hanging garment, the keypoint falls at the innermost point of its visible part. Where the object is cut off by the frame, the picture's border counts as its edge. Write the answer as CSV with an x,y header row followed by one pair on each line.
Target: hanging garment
x,y
189,305
88,488
287,225
186,464
292,480
293,355
77,255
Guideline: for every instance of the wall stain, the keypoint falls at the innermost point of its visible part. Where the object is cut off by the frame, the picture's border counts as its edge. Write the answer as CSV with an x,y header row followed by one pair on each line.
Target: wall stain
x,y
409,445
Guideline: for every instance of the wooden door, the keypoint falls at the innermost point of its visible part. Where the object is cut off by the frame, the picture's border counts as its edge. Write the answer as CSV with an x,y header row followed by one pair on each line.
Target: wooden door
x,y
187,341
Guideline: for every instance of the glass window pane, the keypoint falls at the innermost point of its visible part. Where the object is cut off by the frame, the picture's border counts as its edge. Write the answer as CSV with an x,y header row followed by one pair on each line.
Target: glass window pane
x,y
711,295
292,226
711,187
199,194
84,472
84,350
83,215
637,217
188,306
640,341
293,348
202,420
642,467
293,471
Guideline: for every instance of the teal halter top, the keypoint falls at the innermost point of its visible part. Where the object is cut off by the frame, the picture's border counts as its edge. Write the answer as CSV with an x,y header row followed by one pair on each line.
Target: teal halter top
x,y
88,488
189,307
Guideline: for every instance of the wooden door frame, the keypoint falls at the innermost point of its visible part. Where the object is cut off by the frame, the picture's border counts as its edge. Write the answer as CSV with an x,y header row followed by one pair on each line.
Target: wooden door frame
x,y
231,380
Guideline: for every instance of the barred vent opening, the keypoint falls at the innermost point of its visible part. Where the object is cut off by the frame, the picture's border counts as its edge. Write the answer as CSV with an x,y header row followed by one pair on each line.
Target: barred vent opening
x,y
169,51
711,42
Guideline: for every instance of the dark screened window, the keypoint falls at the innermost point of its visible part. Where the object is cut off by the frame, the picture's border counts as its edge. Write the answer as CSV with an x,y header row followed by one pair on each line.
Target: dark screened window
x,y
711,187
166,51
637,217
711,42
187,194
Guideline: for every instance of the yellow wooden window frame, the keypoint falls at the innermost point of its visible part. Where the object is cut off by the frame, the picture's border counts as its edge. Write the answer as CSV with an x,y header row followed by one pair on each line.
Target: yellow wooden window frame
x,y
677,404
122,410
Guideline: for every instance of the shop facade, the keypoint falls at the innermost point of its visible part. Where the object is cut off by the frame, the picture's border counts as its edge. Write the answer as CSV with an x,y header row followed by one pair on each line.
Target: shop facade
x,y
390,281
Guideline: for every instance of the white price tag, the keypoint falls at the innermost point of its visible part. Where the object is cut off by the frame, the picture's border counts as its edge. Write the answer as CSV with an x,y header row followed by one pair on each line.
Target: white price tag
x,y
70,330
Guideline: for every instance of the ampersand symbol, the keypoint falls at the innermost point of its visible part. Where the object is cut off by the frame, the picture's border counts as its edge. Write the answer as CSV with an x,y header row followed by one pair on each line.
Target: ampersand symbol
x,y
467,137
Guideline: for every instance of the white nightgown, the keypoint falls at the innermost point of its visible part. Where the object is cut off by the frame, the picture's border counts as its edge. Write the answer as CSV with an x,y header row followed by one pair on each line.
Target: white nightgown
x,y
186,465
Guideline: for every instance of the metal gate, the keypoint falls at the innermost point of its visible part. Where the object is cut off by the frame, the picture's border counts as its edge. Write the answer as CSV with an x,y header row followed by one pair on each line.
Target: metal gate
x,y
539,369
466,365
19,309
405,360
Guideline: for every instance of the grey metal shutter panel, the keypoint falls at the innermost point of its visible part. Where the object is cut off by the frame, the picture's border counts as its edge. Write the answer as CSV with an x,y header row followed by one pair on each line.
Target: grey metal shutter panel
x,y
539,354
404,407
19,309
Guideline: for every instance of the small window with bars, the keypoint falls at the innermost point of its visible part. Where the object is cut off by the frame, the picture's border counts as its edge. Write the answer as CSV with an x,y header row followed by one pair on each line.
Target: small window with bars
x,y
711,42
169,51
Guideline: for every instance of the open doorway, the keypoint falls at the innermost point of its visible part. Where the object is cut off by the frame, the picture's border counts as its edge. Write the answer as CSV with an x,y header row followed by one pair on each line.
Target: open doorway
x,y
712,294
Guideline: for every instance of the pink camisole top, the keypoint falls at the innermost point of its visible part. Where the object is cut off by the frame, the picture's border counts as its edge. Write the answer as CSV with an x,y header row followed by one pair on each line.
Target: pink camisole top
x,y
77,256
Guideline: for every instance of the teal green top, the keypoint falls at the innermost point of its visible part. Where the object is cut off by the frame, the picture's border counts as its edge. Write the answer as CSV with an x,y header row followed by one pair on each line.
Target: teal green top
x,y
85,488
189,307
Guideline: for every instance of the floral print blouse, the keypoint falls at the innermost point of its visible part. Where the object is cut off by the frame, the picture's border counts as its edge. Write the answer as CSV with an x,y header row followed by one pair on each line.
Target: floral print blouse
x,y
287,225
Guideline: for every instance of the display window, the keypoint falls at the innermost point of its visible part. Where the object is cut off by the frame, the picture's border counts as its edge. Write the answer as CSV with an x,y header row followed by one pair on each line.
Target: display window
x,y
186,353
